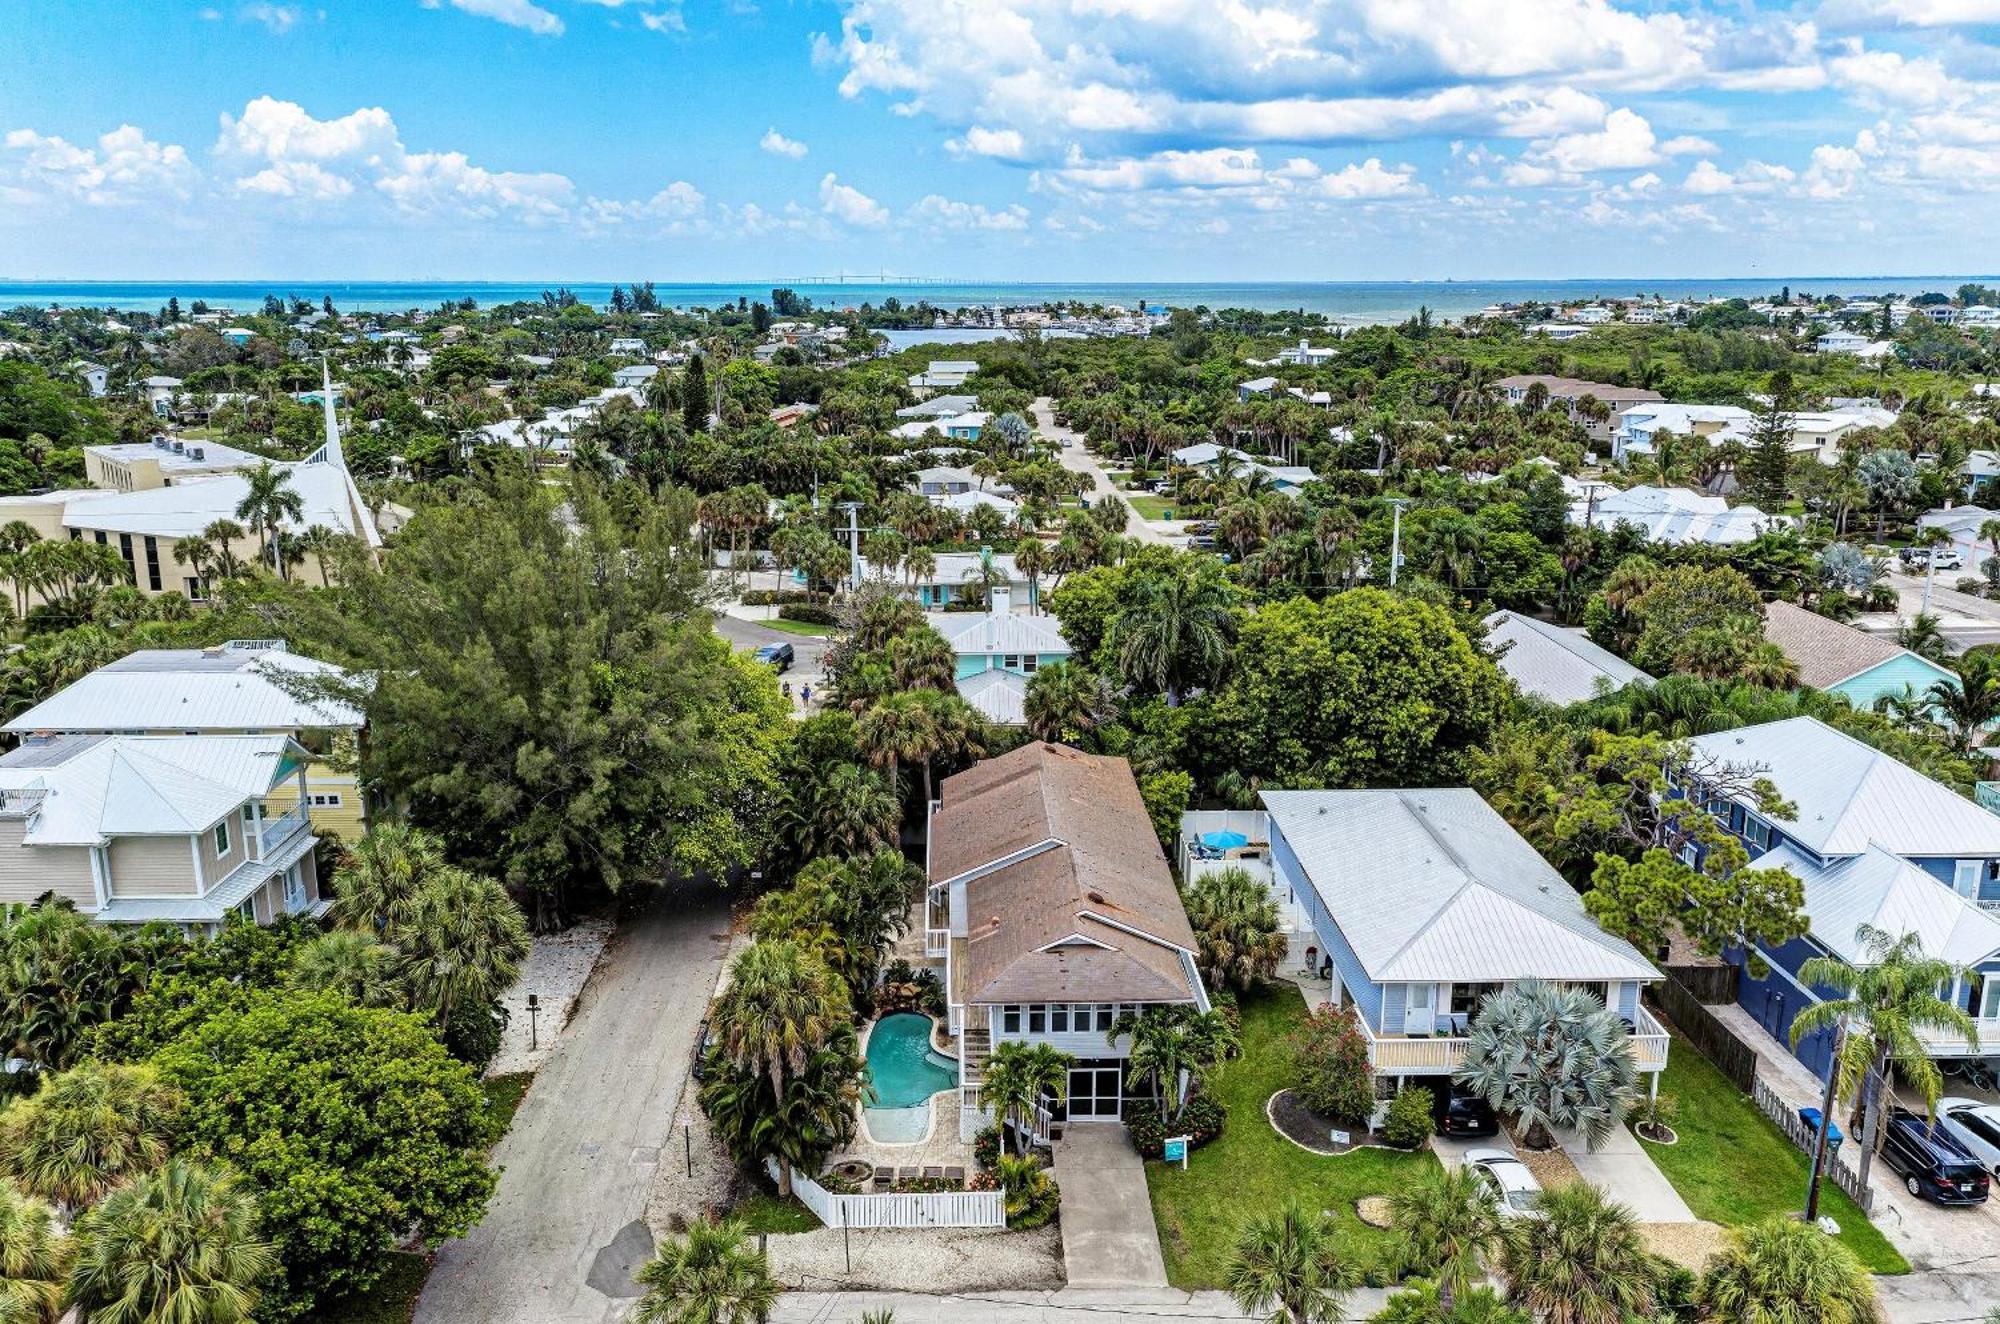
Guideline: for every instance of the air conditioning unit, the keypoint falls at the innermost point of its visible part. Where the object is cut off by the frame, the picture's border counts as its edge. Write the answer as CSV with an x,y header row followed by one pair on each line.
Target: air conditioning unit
x,y
179,446
199,453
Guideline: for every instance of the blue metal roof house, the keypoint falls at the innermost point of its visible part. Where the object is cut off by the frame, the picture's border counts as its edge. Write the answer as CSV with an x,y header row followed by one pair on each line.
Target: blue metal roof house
x,y
1877,843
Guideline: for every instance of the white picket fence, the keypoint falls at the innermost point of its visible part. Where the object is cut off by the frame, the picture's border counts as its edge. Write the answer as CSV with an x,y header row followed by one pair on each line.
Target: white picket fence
x,y
898,1209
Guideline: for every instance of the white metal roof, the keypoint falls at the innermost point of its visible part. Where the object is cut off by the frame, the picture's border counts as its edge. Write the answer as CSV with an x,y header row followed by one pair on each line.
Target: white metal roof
x,y
997,632
192,689
1561,666
1887,892
1851,795
188,507
1433,885
1000,696
84,790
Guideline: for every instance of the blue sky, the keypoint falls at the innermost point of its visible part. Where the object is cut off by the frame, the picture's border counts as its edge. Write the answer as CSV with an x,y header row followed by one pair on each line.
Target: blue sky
x,y
997,139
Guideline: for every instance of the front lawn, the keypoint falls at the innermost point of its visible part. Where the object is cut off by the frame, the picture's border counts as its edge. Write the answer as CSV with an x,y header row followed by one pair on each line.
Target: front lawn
x,y
799,627
1734,1167
1251,1169
1148,506
763,1211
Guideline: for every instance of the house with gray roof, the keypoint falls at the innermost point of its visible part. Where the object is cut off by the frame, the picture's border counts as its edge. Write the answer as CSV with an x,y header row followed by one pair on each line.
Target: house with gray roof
x,y
1874,842
1554,664
1426,903
187,830
1840,659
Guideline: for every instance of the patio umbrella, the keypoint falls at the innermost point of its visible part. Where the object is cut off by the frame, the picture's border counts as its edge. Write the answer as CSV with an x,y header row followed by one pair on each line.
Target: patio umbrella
x,y
1224,840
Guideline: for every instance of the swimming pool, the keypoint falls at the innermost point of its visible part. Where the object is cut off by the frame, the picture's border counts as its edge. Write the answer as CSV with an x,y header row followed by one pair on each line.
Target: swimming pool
x,y
904,1072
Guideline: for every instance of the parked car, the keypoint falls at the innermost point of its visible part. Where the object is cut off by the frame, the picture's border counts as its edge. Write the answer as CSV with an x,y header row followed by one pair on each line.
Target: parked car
x,y
1975,1125
1933,1164
1514,1188
1460,1114
780,656
1201,543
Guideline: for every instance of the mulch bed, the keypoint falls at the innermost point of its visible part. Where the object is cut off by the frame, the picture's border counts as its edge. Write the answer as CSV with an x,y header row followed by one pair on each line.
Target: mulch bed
x,y
1308,1130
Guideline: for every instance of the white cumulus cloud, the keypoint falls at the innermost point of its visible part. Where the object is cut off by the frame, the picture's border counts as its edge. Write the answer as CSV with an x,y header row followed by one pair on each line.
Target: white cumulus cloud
x,y
777,144
514,13
850,205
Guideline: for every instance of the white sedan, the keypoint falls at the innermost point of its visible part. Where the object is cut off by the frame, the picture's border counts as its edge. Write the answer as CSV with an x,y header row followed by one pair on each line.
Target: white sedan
x,y
1975,1125
1514,1188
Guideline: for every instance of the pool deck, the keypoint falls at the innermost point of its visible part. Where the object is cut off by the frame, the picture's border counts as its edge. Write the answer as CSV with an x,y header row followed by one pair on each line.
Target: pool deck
x,y
942,1147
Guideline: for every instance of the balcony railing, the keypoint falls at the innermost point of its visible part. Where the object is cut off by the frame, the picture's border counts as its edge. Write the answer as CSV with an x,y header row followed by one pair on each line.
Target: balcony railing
x,y
275,832
1943,1043
937,942
1396,1055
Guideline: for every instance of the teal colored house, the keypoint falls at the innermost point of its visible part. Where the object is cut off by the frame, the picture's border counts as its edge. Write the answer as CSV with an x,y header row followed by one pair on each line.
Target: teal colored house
x,y
1843,660
999,640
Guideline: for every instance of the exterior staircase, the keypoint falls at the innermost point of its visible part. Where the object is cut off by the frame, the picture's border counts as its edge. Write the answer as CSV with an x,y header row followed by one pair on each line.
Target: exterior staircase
x,y
974,1047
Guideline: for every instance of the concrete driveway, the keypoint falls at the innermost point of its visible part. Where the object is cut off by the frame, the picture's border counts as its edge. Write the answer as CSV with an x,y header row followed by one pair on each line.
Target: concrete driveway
x,y
565,1230
1108,1236
1627,1172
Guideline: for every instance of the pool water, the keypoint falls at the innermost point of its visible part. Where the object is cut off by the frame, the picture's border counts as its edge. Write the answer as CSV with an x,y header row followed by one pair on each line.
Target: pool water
x,y
901,1065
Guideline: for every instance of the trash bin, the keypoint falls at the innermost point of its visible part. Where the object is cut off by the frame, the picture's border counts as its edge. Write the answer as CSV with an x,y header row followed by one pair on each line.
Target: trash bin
x,y
1811,1116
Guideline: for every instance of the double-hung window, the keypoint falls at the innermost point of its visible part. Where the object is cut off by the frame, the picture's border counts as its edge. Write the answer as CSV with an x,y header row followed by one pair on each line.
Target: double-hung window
x,y
1756,832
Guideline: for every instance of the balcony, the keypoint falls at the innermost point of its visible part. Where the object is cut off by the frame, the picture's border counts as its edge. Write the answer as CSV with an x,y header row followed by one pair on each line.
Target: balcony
x,y
1945,1044
937,942
275,833
1405,1056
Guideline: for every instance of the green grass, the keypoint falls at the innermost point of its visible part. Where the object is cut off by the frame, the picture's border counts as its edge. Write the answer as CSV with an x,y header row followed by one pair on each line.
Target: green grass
x,y
504,1093
1734,1167
1251,1169
764,1212
799,627
1148,506
393,1301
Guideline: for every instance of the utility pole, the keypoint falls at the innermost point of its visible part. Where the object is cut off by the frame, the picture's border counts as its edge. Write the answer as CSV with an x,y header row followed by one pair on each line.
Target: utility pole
x,y
1819,1156
1396,539
1590,503
853,543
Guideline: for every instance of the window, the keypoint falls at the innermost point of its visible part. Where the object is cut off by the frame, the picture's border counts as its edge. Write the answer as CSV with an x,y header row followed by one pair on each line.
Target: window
x,y
1011,661
1965,877
222,837
326,799
1029,662
1010,1020
152,563
249,817
1059,1019
196,587
1106,1015
125,550
1989,999
1756,832
1038,1019
248,909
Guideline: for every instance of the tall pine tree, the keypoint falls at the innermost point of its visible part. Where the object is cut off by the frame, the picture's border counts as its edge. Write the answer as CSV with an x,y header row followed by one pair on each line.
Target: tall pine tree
x,y
1769,459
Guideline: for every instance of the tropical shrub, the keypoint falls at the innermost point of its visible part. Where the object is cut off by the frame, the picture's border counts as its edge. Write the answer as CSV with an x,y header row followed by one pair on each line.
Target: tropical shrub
x,y
1409,1123
1235,921
1031,1195
1201,1121
1554,1057
810,613
1330,1066
986,1146
1782,1269
1417,1303
711,1275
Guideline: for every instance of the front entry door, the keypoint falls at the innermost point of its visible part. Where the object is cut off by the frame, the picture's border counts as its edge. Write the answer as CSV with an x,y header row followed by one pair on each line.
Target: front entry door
x,y
1093,1093
1418,1014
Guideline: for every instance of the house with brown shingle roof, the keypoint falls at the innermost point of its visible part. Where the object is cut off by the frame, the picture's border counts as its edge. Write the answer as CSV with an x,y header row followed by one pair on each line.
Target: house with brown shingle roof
x,y
1843,660
1052,905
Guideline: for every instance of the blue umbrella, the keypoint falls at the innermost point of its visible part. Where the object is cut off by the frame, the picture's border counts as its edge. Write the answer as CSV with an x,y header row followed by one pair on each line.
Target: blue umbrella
x,y
1224,840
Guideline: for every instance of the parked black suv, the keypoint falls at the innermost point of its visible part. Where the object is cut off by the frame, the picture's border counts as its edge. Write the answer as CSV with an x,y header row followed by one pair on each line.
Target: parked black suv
x,y
777,655
1933,1164
1460,1114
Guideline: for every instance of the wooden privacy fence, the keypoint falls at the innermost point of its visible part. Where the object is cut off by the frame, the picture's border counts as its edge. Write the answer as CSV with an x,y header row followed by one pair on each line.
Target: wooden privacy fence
x,y
1805,1137
898,1209
1702,1028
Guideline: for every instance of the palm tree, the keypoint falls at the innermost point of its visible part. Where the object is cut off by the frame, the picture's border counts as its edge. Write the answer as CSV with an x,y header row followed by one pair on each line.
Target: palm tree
x,y
319,540
1065,703
376,889
268,501
1287,1267
1923,637
34,1260
462,945
1782,1271
896,728
1177,632
1888,999
1176,1048
798,1124
222,535
851,812
1016,1077
1972,703
1446,1225
1581,1261
1235,921
179,1246
711,1275
86,1130
351,962
782,999
1555,1057
1031,558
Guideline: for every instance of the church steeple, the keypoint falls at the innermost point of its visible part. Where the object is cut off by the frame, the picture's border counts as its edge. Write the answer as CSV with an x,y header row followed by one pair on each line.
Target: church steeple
x,y
330,452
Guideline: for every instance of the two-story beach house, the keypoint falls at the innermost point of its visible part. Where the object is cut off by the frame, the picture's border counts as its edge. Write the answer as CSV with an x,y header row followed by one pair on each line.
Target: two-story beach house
x,y
184,829
1427,902
997,651
1840,659
1051,903
1874,842
243,687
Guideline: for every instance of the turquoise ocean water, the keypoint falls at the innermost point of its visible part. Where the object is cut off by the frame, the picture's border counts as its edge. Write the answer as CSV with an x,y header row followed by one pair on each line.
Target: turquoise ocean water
x,y
1358,301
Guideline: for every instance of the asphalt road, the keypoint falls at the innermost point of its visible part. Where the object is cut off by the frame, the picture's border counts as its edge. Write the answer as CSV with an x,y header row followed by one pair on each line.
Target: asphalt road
x,y
1077,458
565,1230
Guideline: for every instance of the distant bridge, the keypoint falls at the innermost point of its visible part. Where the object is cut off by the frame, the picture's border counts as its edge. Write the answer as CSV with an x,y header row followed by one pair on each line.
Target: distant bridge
x,y
880,278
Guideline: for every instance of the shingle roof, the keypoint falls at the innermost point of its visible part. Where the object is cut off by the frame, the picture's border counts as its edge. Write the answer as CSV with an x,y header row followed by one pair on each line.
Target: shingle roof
x,y
1887,892
1561,666
191,689
93,788
1850,795
1572,388
1826,651
1433,885
1089,913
